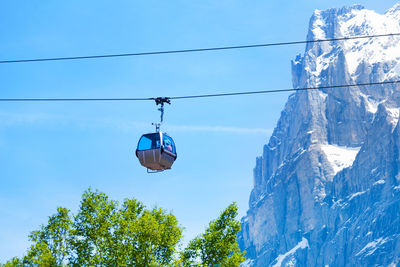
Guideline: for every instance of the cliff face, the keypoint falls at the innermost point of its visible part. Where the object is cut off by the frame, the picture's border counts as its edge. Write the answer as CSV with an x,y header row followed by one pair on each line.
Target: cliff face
x,y
326,189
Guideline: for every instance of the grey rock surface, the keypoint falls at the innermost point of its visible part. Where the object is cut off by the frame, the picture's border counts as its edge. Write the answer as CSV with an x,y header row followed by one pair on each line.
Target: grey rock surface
x,y
326,189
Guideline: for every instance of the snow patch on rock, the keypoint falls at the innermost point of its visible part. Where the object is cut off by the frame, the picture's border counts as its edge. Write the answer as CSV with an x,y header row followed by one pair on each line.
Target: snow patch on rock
x,y
379,182
340,157
247,263
394,115
301,245
356,195
371,104
372,246
368,22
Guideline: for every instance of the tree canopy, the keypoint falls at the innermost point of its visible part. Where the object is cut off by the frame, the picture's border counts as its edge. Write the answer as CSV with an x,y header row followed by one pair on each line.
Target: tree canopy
x,y
104,233
218,245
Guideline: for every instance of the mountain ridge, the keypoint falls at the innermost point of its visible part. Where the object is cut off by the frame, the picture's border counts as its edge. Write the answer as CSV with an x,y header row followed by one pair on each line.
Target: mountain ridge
x,y
334,153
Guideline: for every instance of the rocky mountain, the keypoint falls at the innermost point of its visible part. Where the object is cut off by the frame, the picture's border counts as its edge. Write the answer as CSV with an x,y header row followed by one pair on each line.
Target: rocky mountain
x,y
327,187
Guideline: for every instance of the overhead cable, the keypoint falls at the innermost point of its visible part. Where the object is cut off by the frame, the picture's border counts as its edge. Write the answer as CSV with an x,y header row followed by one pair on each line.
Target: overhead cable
x,y
197,49
284,90
194,96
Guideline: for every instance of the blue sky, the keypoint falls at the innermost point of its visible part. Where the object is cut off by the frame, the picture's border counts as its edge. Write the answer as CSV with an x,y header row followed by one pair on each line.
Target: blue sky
x,y
51,152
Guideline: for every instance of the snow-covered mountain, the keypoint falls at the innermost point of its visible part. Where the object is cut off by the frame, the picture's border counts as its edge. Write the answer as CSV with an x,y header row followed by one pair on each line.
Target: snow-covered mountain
x,y
327,187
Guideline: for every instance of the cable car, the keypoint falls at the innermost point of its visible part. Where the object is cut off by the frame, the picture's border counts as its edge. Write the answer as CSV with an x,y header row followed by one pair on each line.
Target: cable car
x,y
156,151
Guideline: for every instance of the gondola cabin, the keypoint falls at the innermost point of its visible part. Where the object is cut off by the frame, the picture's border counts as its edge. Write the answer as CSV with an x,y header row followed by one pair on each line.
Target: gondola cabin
x,y
156,151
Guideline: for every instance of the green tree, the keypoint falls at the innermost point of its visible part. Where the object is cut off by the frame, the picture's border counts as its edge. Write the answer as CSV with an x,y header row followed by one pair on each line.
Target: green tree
x,y
14,262
218,245
50,244
92,229
104,233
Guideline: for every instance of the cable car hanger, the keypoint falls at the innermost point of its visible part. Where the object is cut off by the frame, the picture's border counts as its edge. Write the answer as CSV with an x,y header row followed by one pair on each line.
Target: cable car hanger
x,y
161,101
157,151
